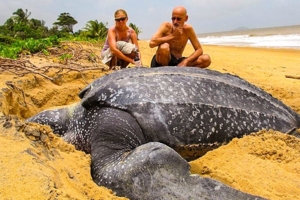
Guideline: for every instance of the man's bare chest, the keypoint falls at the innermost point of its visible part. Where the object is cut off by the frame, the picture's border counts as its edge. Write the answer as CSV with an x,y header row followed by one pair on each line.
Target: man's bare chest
x,y
178,43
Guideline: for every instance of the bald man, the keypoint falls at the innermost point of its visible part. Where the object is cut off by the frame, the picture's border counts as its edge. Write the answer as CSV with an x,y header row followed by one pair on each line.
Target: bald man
x,y
171,39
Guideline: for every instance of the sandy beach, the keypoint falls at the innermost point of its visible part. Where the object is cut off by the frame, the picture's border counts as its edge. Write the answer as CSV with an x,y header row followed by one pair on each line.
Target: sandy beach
x,y
43,166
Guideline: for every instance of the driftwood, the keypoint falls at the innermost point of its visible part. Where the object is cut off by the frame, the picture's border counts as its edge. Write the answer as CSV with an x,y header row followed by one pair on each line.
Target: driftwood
x,y
292,76
69,55
23,67
75,51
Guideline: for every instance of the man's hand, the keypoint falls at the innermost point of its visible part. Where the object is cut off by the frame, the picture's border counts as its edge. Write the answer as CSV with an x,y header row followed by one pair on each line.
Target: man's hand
x,y
178,30
183,63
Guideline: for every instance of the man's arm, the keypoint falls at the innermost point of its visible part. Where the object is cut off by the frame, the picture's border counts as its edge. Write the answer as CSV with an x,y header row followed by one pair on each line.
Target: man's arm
x,y
160,36
195,42
196,45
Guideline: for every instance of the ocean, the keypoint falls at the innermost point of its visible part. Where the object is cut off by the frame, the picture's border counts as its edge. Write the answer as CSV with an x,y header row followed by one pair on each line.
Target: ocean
x,y
287,37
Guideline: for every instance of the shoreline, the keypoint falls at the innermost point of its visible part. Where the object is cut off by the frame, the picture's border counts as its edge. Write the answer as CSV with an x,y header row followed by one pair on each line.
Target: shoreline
x,y
242,45
287,37
251,47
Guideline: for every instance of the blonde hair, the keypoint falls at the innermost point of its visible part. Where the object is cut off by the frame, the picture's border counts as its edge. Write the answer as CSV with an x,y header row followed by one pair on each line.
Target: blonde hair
x,y
121,11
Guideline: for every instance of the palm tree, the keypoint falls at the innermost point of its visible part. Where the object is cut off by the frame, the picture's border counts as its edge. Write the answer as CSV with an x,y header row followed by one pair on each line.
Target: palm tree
x,y
136,29
20,16
20,23
95,29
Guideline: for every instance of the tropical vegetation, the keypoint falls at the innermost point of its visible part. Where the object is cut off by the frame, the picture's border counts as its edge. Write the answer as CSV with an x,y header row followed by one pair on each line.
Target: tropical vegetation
x,y
20,33
135,28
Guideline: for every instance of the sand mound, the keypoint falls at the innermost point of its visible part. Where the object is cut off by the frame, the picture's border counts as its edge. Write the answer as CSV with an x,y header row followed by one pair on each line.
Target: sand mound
x,y
268,162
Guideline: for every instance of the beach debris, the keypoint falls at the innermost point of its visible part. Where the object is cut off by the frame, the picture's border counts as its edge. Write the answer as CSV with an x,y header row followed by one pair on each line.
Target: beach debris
x,y
70,56
22,67
292,76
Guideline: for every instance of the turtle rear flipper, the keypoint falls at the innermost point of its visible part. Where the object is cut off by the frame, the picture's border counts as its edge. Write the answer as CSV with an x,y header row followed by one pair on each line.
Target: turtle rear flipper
x,y
123,162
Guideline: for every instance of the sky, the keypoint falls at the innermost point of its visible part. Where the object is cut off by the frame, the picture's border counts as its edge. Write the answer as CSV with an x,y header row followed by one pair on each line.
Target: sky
x,y
205,16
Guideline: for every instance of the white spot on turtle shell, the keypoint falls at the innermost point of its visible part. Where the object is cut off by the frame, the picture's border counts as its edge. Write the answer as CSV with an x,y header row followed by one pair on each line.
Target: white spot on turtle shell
x,y
191,119
217,187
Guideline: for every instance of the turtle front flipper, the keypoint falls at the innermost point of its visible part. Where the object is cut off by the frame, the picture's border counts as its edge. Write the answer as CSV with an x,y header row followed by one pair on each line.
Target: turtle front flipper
x,y
125,163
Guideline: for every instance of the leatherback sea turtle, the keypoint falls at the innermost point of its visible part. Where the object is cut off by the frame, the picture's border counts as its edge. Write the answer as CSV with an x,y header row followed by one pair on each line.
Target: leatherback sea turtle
x,y
132,121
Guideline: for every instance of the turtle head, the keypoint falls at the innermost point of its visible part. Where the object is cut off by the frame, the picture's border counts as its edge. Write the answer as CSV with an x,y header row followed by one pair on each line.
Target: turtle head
x,y
57,118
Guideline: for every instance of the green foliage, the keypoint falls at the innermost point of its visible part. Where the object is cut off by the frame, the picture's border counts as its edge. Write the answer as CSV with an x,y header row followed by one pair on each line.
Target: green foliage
x,y
135,28
20,34
66,22
82,38
19,26
95,29
11,52
20,16
65,57
6,40
45,52
28,45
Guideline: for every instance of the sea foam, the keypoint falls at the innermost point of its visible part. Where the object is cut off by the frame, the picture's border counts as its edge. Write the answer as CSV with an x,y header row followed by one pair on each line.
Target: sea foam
x,y
273,37
272,41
